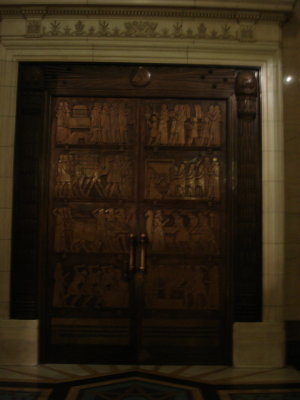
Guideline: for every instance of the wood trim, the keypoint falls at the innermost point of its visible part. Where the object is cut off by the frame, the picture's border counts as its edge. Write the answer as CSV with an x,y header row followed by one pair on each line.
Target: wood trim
x,y
248,287
28,181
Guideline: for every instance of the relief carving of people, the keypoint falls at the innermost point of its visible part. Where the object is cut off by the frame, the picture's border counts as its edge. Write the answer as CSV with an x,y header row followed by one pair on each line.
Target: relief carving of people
x,y
85,285
190,287
178,232
153,124
65,171
211,178
205,133
163,124
184,125
62,118
97,123
193,137
181,114
111,123
105,230
196,178
85,174
157,233
214,124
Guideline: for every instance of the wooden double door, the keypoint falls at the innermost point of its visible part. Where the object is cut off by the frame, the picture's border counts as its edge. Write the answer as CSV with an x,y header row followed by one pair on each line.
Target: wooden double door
x,y
136,223
138,244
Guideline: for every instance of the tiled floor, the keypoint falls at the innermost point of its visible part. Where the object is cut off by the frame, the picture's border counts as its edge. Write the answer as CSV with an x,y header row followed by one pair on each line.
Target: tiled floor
x,y
205,374
131,382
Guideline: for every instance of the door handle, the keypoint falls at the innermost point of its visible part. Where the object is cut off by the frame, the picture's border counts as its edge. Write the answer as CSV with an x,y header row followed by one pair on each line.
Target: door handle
x,y
132,244
143,241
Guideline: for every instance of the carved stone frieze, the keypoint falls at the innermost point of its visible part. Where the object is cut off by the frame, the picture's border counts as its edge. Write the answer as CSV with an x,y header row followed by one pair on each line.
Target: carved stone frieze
x,y
33,28
171,29
140,22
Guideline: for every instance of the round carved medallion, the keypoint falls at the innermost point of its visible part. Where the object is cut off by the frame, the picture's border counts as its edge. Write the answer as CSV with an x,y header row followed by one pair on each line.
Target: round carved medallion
x,y
140,77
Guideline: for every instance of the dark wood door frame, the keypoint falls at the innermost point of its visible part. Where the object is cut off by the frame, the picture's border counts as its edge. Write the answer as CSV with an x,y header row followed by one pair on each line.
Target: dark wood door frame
x,y
40,81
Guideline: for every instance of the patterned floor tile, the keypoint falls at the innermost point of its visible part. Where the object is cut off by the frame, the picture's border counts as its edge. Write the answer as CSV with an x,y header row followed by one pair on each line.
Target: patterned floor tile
x,y
91,382
134,389
260,394
11,393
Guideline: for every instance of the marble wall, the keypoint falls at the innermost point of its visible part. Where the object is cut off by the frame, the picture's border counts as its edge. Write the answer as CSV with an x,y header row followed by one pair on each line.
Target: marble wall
x,y
8,88
291,92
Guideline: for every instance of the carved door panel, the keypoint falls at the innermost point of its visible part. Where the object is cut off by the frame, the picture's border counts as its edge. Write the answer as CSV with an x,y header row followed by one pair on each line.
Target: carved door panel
x,y
185,231
92,214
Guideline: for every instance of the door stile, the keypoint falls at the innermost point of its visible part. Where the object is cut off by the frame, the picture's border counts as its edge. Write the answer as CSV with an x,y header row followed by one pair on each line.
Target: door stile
x,y
137,279
88,193
176,212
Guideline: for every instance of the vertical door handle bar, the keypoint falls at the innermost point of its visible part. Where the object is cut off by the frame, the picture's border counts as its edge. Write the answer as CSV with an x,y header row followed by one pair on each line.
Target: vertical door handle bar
x,y
143,240
132,253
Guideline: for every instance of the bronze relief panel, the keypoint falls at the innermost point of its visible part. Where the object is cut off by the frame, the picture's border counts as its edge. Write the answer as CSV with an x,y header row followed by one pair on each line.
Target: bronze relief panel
x,y
88,285
90,173
183,177
94,121
182,231
90,228
188,123
183,287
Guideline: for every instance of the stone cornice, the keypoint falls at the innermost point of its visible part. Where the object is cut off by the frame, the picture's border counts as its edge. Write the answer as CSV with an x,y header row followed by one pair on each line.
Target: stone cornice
x,y
257,5
141,12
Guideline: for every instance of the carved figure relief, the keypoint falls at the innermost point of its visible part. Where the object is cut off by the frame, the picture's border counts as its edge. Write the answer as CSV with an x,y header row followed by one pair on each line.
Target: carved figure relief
x,y
190,287
177,130
88,174
246,89
96,123
198,178
183,125
85,285
182,231
62,118
101,229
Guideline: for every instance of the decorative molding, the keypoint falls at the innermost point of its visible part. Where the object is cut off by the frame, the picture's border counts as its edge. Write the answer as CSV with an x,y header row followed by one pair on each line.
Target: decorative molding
x,y
34,12
144,12
243,32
